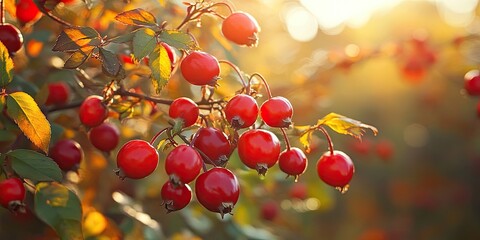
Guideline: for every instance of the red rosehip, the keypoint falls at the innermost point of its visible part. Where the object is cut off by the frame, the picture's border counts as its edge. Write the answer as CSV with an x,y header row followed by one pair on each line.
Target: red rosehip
x,y
12,193
67,154
214,144
277,112
11,37
241,28
335,169
200,68
293,162
93,111
58,93
258,149
104,137
298,191
136,159
384,149
175,197
269,210
183,164
217,190
472,82
185,109
241,111
27,11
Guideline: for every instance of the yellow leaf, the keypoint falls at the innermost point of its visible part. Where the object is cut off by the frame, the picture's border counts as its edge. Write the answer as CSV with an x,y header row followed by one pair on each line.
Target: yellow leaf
x,y
161,67
24,111
137,17
345,125
6,66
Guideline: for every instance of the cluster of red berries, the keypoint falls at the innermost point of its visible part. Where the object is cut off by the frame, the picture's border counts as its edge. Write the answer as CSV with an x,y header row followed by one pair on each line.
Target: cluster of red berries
x,y
472,85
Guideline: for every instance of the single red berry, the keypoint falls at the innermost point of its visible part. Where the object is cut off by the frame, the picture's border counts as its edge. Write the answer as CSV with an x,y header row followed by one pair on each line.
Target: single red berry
x,y
67,154
277,112
241,111
298,191
58,93
136,159
183,164
104,137
384,149
472,82
259,149
241,28
214,144
293,162
217,190
335,169
126,59
185,109
11,37
93,111
12,193
27,11
269,210
175,197
200,68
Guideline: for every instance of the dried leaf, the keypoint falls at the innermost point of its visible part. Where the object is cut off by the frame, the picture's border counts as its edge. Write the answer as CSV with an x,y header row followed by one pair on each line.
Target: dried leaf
x,y
138,17
345,125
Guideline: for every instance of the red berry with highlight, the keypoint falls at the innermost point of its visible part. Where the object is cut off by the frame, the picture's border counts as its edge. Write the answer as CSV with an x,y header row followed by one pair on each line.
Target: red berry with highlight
x,y
11,37
175,197
259,149
93,111
12,193
58,93
241,28
472,82
277,112
136,159
200,68
104,137
67,154
27,11
214,144
217,190
185,109
183,164
293,162
241,111
335,169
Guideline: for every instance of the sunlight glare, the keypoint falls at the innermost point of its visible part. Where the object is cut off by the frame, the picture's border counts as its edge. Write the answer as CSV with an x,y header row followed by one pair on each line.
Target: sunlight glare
x,y
301,24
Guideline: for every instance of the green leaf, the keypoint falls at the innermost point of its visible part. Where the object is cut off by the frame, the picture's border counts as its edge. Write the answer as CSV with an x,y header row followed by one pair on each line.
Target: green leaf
x,y
76,59
60,208
178,40
34,166
6,66
124,38
27,115
138,17
345,125
73,39
144,43
110,63
161,67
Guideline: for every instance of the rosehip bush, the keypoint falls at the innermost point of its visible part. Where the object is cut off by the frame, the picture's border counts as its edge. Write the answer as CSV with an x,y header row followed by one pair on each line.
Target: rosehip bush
x,y
128,109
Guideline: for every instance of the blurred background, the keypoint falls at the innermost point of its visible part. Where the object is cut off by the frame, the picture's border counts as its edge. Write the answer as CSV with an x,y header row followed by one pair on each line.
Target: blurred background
x,y
398,65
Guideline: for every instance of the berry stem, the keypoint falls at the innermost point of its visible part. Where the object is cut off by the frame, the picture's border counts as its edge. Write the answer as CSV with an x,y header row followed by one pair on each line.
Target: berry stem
x,y
287,142
330,143
238,72
158,134
230,8
2,12
267,87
